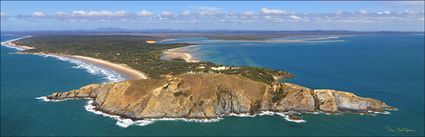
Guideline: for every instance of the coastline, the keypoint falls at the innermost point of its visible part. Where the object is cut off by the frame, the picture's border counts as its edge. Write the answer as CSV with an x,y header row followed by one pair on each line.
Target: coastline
x,y
184,54
10,44
126,71
179,53
121,120
125,122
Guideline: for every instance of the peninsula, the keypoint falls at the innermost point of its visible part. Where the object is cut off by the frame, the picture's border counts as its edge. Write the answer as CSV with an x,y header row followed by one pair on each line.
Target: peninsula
x,y
195,90
135,52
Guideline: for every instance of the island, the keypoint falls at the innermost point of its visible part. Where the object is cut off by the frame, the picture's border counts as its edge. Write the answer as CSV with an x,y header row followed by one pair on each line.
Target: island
x,y
177,88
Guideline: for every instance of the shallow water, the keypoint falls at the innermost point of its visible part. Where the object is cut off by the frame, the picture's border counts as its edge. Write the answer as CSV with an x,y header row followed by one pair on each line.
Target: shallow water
x,y
387,67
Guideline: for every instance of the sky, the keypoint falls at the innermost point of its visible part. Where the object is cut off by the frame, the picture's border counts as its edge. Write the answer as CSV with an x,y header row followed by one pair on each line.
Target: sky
x,y
214,15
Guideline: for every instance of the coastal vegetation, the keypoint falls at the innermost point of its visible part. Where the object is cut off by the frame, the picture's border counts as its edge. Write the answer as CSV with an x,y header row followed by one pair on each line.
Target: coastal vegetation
x,y
137,52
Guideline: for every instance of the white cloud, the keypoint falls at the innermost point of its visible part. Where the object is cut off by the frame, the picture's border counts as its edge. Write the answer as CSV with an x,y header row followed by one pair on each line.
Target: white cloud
x,y
2,14
214,15
294,17
272,11
408,12
38,14
61,14
145,13
102,13
98,13
363,12
78,13
186,13
384,13
121,13
249,13
341,12
208,10
166,13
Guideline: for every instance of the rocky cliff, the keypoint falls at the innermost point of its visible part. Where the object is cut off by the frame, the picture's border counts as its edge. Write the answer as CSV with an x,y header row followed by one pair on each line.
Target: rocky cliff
x,y
214,95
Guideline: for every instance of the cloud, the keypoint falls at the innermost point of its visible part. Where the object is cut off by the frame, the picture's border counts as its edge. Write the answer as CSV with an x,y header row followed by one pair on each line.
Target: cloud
x,y
166,13
363,12
408,12
383,13
208,10
121,13
218,15
272,11
88,14
145,13
61,14
79,13
4,17
294,17
186,13
102,13
38,14
249,13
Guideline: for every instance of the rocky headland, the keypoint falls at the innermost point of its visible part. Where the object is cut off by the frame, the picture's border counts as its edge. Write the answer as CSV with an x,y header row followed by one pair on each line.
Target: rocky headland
x,y
209,96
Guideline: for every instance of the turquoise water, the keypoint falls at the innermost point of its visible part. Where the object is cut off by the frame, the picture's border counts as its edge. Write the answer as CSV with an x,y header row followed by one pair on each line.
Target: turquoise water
x,y
386,67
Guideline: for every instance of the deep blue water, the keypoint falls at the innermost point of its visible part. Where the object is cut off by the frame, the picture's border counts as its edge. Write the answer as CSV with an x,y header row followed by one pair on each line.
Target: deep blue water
x,y
385,67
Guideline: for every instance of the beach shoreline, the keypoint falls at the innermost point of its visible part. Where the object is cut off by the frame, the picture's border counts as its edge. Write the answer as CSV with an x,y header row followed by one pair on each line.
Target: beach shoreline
x,y
10,44
179,53
127,72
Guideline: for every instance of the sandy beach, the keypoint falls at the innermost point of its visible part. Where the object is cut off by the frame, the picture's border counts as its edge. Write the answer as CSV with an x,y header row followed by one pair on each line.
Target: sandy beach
x,y
179,53
10,44
124,70
129,73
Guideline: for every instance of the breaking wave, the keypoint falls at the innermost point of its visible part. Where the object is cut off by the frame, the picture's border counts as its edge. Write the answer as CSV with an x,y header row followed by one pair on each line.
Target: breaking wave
x,y
107,74
13,47
125,122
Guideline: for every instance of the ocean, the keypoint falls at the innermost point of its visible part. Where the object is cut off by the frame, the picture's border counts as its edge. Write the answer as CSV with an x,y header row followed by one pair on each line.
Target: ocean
x,y
385,67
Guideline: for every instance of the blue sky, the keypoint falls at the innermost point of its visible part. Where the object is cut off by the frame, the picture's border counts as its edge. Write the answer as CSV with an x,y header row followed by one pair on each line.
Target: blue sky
x,y
191,15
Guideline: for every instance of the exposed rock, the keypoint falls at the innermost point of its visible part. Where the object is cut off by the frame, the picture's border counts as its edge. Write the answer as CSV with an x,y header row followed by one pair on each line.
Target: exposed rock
x,y
214,95
295,98
326,100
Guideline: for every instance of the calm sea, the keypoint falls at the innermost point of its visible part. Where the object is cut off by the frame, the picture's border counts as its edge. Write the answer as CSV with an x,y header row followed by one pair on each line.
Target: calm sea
x,y
385,67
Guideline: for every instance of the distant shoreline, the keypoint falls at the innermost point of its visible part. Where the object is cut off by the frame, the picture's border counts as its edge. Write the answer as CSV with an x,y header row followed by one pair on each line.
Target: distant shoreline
x,y
127,72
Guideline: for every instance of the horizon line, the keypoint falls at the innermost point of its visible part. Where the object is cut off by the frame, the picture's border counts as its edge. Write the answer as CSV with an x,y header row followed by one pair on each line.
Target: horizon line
x,y
200,30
